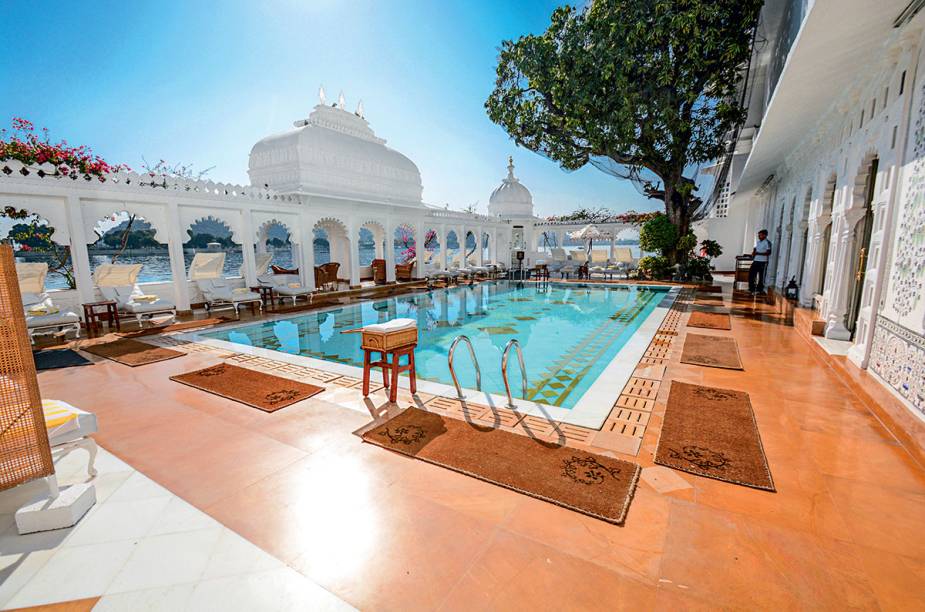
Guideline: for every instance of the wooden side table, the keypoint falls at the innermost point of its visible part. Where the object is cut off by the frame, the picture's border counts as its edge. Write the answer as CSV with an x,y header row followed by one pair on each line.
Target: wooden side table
x,y
266,296
390,369
97,312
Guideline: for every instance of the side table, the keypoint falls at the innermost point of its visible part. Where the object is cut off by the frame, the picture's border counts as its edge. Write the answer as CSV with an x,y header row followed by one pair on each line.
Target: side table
x,y
97,312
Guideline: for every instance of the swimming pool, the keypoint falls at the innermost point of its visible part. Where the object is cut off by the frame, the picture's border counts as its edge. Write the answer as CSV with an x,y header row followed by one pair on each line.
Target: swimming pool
x,y
575,338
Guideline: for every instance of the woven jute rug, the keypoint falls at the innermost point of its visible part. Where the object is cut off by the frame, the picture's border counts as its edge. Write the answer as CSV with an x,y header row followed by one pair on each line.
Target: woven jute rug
x,y
711,351
163,329
712,432
131,352
53,359
258,389
709,320
579,480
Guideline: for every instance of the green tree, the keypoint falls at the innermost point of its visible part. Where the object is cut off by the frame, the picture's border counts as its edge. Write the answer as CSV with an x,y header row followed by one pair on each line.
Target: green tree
x,y
646,86
658,235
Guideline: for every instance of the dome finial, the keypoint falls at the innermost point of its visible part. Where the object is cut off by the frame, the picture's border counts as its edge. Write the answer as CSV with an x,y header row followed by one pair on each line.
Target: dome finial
x,y
322,99
510,167
359,111
341,101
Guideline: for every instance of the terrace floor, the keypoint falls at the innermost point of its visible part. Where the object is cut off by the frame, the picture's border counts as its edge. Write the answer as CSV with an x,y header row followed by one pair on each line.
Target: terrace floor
x,y
382,531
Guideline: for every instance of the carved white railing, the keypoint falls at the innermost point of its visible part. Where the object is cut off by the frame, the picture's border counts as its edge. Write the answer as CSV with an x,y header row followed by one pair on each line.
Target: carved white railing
x,y
16,170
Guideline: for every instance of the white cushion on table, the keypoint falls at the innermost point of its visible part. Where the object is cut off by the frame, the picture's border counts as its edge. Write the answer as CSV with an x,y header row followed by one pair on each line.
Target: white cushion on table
x,y
391,326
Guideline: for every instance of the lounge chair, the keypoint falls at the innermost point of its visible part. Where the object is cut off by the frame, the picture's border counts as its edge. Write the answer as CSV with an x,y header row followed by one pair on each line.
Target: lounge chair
x,y
599,264
206,271
69,428
624,255
404,272
117,283
42,316
326,276
378,266
284,283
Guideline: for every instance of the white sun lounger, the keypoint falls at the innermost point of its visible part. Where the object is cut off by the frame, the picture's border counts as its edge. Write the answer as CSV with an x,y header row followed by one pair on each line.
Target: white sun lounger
x,y
206,271
42,316
117,282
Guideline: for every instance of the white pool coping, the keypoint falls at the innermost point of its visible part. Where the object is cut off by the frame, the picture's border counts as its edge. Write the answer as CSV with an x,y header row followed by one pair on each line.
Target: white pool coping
x,y
591,410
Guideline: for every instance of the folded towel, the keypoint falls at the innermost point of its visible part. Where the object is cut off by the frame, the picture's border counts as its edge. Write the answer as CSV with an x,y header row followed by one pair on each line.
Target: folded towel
x,y
43,310
60,417
145,298
241,291
294,285
390,326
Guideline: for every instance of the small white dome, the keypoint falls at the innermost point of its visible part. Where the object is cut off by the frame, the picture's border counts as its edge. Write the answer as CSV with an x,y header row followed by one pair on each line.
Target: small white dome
x,y
511,198
334,152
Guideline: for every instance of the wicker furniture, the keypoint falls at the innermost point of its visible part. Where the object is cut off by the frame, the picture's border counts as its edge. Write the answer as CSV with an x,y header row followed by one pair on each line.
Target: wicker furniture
x,y
403,272
24,450
326,275
378,266
392,340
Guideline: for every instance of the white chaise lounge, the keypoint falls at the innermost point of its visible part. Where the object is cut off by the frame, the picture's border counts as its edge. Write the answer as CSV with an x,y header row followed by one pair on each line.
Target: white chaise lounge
x,y
42,316
284,285
69,428
218,292
117,282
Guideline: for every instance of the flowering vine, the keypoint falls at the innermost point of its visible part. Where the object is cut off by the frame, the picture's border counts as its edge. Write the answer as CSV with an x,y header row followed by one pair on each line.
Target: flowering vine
x,y
23,144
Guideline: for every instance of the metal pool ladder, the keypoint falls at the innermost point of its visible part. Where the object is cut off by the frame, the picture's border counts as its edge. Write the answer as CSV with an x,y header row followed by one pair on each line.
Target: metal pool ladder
x,y
478,372
523,371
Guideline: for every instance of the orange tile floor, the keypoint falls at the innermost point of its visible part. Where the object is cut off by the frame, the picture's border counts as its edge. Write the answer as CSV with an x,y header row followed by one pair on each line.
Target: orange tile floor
x,y
383,531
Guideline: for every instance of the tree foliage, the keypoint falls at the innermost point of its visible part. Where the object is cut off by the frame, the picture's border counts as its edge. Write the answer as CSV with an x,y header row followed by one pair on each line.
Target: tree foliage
x,y
658,235
647,85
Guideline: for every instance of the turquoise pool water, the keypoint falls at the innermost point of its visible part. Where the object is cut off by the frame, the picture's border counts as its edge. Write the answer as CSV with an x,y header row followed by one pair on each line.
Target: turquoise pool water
x,y
569,333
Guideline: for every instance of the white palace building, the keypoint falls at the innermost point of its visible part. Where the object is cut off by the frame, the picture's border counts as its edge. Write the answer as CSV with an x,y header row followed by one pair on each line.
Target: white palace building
x,y
831,161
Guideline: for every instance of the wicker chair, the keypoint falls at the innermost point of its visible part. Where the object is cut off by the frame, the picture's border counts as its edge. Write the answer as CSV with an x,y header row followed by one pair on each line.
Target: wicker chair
x,y
378,266
326,275
403,272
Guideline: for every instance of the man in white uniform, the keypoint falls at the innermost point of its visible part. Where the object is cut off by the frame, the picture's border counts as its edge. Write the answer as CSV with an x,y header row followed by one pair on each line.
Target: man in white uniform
x,y
760,255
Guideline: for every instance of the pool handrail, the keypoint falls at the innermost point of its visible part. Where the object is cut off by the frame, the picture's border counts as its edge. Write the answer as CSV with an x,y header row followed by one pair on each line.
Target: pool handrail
x,y
523,371
475,361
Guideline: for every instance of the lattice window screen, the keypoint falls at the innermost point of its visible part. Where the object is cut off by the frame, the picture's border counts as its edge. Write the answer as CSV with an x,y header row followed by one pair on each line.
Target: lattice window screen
x,y
24,450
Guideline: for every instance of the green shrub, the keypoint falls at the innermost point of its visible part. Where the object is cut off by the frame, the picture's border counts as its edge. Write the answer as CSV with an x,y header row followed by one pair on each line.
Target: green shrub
x,y
697,267
654,266
658,235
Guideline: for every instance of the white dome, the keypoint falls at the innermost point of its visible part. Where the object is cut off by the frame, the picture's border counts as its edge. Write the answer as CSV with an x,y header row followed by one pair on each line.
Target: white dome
x,y
511,198
334,152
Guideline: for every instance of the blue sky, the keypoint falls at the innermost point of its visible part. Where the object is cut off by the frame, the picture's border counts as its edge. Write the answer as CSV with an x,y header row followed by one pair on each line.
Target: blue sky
x,y
199,82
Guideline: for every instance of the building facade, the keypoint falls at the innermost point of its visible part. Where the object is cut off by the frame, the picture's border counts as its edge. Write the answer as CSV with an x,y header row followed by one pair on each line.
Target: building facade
x,y
831,162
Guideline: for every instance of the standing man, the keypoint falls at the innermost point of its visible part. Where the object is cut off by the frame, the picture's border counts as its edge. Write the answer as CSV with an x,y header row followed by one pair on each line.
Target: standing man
x,y
760,255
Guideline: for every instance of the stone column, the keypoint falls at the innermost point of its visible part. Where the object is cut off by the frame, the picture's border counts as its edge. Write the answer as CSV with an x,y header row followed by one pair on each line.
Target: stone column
x,y
389,251
353,245
443,231
613,243
461,237
419,271
177,262
307,252
247,249
79,255
843,275
479,254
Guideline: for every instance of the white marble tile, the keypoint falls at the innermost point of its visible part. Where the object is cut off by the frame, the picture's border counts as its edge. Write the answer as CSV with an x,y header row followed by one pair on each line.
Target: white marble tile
x,y
138,486
112,521
18,569
235,555
74,573
167,560
179,515
164,599
275,590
